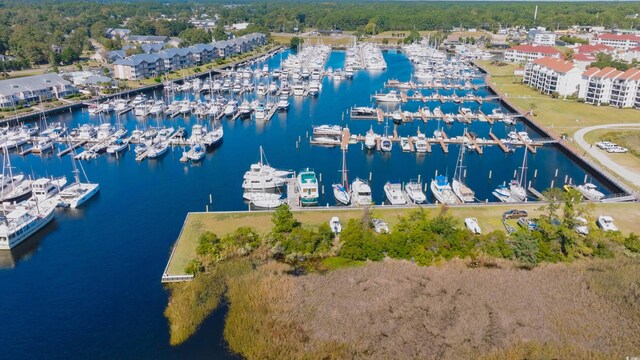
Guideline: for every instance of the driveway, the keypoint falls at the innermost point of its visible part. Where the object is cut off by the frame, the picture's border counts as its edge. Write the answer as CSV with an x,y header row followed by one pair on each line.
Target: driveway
x,y
629,175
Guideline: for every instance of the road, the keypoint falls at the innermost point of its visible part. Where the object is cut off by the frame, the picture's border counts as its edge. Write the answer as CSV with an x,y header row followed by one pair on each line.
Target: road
x,y
601,156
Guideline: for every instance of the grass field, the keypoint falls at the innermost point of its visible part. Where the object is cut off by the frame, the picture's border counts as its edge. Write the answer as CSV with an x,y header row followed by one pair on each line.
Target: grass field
x,y
558,115
488,217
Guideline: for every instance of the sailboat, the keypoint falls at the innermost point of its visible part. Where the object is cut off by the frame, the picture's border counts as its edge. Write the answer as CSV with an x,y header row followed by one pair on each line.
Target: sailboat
x,y
14,188
516,191
385,142
341,191
462,191
79,192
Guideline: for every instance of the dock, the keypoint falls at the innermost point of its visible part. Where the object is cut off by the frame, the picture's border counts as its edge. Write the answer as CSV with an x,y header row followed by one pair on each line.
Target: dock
x,y
72,148
499,142
526,144
346,136
476,146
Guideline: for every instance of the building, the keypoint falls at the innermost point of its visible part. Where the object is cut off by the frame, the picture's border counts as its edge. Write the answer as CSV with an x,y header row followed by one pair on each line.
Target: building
x,y
112,33
609,86
35,88
540,36
618,41
553,75
147,39
138,67
527,53
205,24
630,55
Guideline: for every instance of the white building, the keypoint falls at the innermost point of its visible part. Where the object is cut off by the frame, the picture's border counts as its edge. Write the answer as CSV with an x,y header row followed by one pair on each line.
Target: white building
x,y
552,75
540,36
527,53
35,88
618,41
611,86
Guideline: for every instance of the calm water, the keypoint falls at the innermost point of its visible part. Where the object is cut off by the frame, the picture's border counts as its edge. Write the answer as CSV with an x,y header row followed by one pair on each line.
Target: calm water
x,y
88,286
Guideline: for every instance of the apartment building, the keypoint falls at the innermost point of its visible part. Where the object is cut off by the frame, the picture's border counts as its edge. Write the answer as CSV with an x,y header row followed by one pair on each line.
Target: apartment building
x,y
611,86
552,75
542,37
527,53
35,88
138,67
619,41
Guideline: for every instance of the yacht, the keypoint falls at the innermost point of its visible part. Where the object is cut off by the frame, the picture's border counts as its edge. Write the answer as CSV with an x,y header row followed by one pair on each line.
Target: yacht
x,y
590,192
394,194
283,103
79,192
266,200
307,187
361,193
23,221
341,190
370,139
117,146
196,153
462,191
42,145
515,191
414,191
442,191
298,89
260,113
46,188
392,97
421,143
157,150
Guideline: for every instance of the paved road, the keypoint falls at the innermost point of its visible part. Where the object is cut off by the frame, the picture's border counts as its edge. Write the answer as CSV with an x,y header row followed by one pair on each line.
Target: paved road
x,y
601,156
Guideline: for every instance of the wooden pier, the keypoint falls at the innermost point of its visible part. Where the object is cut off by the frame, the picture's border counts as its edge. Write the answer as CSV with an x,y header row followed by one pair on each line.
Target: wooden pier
x,y
72,148
499,142
476,147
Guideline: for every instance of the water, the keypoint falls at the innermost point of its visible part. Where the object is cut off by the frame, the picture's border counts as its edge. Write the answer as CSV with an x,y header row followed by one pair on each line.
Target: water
x,y
88,286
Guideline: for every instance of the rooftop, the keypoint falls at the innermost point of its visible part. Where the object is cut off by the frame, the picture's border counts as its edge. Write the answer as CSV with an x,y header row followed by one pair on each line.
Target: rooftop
x,y
620,37
559,65
31,83
547,50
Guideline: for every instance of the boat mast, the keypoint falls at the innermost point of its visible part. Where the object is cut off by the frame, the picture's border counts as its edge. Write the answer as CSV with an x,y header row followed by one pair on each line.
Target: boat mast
x,y
523,169
457,175
345,180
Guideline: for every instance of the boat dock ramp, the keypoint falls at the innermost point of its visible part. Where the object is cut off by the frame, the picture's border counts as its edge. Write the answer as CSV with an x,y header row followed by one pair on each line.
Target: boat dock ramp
x,y
410,85
407,116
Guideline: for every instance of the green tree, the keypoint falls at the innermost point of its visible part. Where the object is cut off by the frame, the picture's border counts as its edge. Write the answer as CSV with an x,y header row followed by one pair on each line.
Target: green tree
x,y
194,36
69,55
295,42
283,221
525,248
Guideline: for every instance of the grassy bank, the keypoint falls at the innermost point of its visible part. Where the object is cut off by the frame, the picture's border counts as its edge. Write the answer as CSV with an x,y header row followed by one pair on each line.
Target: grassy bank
x,y
395,309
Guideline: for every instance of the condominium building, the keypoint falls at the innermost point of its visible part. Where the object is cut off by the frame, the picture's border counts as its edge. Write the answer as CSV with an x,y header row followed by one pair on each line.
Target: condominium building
x,y
611,86
527,53
138,67
552,75
618,41
542,37
35,88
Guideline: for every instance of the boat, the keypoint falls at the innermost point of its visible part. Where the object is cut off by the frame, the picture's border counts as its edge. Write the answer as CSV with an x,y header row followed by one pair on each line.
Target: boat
x,y
261,176
442,191
385,143
332,130
78,192
462,191
283,102
370,139
117,146
606,223
341,190
590,192
363,111
196,153
472,225
335,225
42,145
260,113
394,193
307,187
45,188
158,149
361,193
20,222
14,188
414,191
515,191
392,97
421,143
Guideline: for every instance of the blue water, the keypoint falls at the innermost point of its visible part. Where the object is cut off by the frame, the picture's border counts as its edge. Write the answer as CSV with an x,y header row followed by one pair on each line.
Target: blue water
x,y
88,286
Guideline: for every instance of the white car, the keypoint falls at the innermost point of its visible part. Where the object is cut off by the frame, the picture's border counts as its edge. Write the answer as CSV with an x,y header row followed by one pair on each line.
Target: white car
x,y
617,149
380,226
582,226
605,145
606,223
472,225
335,225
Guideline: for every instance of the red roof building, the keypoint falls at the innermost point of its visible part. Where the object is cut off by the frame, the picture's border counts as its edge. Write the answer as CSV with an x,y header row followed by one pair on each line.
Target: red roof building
x,y
527,53
617,41
553,75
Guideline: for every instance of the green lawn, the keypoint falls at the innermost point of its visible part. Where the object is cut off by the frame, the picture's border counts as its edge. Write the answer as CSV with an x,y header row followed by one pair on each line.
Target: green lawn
x,y
489,218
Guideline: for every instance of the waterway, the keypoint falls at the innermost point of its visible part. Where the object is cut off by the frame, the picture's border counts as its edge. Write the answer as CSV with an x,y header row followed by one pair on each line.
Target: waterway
x,y
88,285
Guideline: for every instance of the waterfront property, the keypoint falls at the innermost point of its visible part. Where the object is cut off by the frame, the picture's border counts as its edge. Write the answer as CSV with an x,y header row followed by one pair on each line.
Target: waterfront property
x,y
526,53
552,75
31,89
618,41
611,86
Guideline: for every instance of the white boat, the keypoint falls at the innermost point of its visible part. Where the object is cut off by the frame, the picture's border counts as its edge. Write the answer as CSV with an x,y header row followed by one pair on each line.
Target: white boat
x,y
42,145
283,102
606,223
266,200
260,113
214,136
79,192
421,143
394,193
333,130
472,225
45,188
117,146
196,153
462,191
361,193
404,144
442,191
335,225
415,193
370,139
307,187
250,196
392,97
341,190
590,192
515,191
157,150
385,144
20,222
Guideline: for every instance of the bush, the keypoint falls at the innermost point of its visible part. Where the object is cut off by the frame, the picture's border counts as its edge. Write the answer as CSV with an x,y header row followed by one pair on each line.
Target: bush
x,y
632,243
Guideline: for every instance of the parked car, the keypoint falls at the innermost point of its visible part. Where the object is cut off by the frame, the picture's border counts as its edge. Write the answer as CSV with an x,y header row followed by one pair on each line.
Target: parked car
x,y
617,149
606,223
380,226
514,214
527,223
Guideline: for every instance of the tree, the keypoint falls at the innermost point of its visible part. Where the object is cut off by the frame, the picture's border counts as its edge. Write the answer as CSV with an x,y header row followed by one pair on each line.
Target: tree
x,y
283,221
525,248
194,36
69,55
218,33
54,60
295,42
133,50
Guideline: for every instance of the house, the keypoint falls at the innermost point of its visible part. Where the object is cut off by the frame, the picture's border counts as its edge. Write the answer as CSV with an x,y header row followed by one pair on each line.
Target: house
x,y
609,86
499,41
112,33
175,59
34,88
553,75
583,60
594,49
540,36
618,41
138,67
630,55
147,39
205,24
527,53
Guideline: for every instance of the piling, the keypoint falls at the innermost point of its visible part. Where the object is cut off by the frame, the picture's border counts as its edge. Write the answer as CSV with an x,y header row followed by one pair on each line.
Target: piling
x,y
320,177
490,171
585,178
370,176
515,172
556,175
552,181
464,174
565,178
535,173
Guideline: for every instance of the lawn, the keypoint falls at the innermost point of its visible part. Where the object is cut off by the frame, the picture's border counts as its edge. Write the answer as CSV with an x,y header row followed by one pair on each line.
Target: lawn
x,y
625,216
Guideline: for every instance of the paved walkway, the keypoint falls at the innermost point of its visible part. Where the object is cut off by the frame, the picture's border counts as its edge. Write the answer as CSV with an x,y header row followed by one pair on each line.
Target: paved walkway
x,y
629,175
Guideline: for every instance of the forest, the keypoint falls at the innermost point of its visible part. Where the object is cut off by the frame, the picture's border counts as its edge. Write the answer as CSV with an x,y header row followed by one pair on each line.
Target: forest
x,y
41,32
